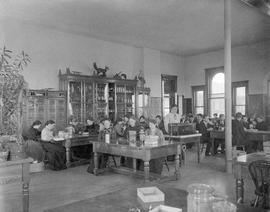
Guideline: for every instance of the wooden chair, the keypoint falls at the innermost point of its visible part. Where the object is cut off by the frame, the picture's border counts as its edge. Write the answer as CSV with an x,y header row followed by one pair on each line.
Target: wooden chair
x,y
260,174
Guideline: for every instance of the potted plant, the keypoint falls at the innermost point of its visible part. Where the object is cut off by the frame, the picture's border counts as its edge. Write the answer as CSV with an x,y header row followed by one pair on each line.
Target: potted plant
x,y
12,92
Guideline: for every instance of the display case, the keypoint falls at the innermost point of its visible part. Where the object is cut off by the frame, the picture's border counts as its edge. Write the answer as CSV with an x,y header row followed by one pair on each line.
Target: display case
x,y
98,97
45,105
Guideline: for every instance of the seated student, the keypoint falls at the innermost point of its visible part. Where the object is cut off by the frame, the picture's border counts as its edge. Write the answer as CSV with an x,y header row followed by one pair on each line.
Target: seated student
x,y
132,129
201,127
156,165
160,124
261,126
56,152
220,125
33,148
91,127
105,129
77,127
239,136
245,122
142,123
119,128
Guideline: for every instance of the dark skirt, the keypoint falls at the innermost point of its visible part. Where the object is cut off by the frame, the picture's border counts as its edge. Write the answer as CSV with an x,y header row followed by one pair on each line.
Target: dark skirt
x,y
56,155
34,150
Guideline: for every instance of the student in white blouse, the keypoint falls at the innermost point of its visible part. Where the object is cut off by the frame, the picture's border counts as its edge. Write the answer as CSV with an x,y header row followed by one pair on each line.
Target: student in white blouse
x,y
172,118
56,154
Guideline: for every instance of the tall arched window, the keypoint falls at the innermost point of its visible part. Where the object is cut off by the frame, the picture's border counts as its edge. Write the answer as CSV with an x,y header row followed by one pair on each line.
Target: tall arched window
x,y
217,94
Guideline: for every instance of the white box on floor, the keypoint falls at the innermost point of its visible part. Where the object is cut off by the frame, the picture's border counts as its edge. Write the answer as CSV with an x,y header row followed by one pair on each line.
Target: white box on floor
x,y
164,208
150,194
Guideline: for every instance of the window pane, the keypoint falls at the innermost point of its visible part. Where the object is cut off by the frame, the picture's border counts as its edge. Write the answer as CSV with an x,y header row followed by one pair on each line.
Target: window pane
x,y
166,111
199,98
241,109
199,110
217,106
140,100
166,102
240,96
217,85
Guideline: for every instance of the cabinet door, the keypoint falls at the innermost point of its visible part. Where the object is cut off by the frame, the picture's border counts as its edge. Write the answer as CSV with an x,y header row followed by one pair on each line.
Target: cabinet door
x,y
130,100
56,111
101,100
88,100
75,100
120,92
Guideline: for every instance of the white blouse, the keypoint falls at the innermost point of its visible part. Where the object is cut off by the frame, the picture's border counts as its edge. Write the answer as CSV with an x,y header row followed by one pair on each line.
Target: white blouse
x,y
46,134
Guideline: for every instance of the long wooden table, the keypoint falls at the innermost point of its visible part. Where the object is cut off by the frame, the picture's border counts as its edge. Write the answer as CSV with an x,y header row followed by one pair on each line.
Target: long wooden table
x,y
143,153
77,140
25,177
186,139
240,163
252,135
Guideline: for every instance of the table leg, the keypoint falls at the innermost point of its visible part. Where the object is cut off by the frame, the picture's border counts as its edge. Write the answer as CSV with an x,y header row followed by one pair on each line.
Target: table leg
x,y
177,158
25,186
134,164
95,163
212,140
67,156
183,157
199,151
146,171
239,190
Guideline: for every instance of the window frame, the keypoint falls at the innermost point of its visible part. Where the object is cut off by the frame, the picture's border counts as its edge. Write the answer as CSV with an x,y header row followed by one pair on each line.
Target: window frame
x,y
173,97
209,74
236,85
195,89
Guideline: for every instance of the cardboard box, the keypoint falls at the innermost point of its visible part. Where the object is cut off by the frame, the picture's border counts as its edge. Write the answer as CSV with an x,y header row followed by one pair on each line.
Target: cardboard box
x,y
150,194
150,197
164,208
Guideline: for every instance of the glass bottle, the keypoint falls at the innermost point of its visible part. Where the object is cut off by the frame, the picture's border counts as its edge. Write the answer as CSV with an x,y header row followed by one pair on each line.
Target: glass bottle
x,y
199,198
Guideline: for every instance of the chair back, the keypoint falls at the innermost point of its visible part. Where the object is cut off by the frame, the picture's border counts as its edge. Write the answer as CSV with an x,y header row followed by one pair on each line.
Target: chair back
x,y
260,174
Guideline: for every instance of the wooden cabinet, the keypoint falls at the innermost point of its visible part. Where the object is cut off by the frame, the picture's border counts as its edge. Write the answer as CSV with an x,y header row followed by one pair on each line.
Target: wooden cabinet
x,y
97,97
44,105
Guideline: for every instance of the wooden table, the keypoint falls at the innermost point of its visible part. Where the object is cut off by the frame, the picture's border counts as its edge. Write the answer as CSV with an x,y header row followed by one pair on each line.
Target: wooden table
x,y
252,136
77,140
185,139
242,162
143,153
25,178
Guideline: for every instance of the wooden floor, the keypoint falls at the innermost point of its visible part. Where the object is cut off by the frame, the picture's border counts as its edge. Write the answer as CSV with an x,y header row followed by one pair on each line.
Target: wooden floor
x,y
49,189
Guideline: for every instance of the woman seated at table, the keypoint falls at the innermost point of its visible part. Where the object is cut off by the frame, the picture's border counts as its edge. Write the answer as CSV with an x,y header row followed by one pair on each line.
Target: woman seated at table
x,y
119,128
160,124
239,135
91,127
32,145
142,123
260,126
56,153
156,165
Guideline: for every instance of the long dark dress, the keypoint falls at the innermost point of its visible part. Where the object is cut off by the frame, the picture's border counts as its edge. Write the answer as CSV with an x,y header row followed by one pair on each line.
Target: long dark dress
x,y
200,126
32,145
55,152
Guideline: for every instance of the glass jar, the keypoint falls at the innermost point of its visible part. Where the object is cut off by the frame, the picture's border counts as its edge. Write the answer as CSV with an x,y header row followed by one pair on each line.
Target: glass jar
x,y
200,197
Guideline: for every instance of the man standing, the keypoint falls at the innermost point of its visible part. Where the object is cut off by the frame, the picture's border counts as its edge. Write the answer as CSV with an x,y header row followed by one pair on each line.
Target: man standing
x,y
171,118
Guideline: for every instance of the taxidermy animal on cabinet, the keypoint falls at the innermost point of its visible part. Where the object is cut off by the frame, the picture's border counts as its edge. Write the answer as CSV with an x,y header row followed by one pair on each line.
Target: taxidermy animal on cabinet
x,y
120,75
100,71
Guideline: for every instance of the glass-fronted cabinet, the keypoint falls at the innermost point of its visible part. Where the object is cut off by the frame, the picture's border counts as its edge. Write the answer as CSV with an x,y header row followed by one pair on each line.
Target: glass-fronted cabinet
x,y
97,97
101,100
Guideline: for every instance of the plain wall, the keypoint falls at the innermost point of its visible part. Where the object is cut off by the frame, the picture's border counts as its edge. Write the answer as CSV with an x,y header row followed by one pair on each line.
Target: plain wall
x,y
51,50
250,62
